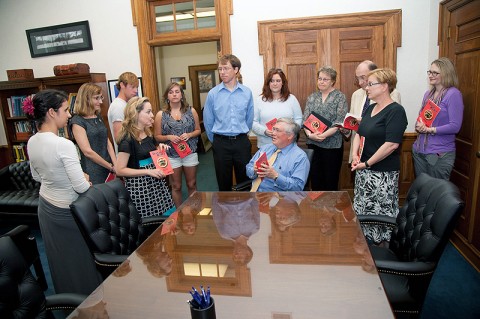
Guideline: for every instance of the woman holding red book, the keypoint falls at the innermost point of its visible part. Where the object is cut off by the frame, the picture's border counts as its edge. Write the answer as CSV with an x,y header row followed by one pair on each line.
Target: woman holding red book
x,y
179,126
434,150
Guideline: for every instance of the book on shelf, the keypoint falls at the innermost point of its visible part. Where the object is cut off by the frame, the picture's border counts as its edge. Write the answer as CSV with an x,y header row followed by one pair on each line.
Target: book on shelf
x,y
350,122
317,123
72,97
20,152
428,113
16,105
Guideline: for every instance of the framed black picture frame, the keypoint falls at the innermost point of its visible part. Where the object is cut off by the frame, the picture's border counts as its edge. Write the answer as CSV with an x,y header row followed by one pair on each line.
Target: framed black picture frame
x,y
113,91
59,39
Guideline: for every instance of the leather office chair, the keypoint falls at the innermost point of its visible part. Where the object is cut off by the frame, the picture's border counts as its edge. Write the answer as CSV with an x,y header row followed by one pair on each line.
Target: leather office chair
x,y
247,185
110,224
421,231
21,294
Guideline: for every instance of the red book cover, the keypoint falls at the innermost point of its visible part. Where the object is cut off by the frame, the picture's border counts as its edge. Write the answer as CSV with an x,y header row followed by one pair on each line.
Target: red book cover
x,y
262,159
314,195
170,224
360,147
182,149
350,122
111,176
314,124
428,113
161,161
271,123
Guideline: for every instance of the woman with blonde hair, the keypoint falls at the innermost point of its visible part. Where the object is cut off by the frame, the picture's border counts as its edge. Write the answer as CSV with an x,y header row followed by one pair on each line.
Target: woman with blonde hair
x,y
145,183
97,154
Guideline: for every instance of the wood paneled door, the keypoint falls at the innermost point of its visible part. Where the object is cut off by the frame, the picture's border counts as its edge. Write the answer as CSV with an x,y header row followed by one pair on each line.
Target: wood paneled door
x,y
460,41
301,46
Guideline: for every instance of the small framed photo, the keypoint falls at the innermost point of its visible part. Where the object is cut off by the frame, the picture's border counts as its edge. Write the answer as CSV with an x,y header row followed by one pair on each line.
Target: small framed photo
x,y
180,80
58,39
113,90
206,80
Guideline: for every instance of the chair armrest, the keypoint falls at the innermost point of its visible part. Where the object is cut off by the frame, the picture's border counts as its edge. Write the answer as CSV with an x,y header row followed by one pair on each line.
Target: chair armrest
x,y
242,187
377,220
109,260
405,268
150,224
64,301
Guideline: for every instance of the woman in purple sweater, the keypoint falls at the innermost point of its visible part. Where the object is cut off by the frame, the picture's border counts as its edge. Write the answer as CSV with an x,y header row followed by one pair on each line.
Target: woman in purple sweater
x,y
434,150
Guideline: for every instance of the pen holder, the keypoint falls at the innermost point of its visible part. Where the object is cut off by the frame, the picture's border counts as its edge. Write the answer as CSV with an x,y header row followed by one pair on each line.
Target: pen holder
x,y
207,313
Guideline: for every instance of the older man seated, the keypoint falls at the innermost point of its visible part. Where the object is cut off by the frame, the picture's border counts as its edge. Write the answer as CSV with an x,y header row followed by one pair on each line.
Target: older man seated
x,y
288,165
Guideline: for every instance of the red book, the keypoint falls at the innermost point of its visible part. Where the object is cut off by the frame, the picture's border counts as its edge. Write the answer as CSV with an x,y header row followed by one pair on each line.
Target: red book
x,y
314,195
170,224
314,124
261,160
350,122
271,123
182,149
428,113
360,147
111,176
161,161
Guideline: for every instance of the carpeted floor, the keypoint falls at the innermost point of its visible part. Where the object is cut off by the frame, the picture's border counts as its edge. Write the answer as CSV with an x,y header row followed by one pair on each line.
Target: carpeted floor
x,y
454,291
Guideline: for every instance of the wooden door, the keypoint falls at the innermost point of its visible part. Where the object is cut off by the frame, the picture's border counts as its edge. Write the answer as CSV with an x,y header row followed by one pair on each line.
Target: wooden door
x,y
302,46
460,41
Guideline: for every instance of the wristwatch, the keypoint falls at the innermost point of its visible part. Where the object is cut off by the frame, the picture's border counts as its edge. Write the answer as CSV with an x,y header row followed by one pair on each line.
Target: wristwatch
x,y
366,165
275,179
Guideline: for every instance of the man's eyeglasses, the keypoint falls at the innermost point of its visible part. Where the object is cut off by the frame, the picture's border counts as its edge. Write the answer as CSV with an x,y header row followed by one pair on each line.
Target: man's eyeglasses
x,y
370,84
224,69
98,97
432,73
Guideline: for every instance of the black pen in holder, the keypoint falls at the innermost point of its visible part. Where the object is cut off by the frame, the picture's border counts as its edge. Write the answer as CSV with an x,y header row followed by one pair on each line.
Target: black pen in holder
x,y
203,313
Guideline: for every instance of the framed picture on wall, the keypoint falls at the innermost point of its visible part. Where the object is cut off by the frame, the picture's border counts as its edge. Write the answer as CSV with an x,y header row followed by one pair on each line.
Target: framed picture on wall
x,y
180,80
113,90
206,80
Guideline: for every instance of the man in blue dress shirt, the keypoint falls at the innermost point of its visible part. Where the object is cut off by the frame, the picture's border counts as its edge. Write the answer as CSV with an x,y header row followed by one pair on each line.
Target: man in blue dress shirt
x,y
290,170
228,117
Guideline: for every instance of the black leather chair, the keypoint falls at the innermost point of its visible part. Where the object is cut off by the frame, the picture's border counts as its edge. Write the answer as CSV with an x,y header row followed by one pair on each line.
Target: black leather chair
x,y
420,234
21,294
110,224
247,185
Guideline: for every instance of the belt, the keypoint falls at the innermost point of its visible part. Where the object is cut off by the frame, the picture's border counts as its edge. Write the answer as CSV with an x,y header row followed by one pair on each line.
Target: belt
x,y
227,137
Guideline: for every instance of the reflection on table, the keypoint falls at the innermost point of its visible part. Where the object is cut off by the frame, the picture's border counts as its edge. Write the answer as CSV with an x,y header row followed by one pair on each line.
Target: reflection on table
x,y
264,255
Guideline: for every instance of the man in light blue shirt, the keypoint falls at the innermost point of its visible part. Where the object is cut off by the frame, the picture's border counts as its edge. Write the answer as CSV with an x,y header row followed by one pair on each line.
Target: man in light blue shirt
x,y
290,170
228,117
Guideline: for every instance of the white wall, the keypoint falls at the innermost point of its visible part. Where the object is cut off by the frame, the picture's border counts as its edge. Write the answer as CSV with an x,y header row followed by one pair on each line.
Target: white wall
x,y
115,43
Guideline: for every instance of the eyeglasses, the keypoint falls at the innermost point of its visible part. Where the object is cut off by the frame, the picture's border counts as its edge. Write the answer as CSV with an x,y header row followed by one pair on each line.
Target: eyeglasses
x,y
370,84
98,97
224,69
324,79
433,73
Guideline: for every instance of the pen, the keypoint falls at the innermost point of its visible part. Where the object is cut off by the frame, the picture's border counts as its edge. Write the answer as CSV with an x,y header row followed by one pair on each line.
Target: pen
x,y
204,295
196,298
208,296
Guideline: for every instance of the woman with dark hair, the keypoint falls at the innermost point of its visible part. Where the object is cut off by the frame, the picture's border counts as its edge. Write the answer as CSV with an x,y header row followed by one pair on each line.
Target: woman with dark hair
x,y
331,104
434,150
145,183
97,154
54,163
179,123
276,101
377,163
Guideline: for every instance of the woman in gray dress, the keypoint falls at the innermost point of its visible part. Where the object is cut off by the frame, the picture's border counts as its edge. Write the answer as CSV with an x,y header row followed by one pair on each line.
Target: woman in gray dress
x,y
97,155
54,163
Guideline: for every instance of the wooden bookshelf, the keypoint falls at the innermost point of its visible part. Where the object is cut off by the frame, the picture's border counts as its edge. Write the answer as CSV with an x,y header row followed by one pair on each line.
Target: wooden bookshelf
x,y
12,123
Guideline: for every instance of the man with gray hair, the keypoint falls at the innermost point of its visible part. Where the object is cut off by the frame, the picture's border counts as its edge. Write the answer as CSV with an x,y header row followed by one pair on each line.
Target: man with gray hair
x,y
288,166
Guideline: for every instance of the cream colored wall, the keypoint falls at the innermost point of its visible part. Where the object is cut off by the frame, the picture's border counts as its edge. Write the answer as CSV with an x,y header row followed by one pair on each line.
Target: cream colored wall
x,y
173,61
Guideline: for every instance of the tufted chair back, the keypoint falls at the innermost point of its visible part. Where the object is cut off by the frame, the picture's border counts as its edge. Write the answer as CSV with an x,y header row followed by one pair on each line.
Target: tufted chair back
x,y
20,294
108,220
21,176
426,220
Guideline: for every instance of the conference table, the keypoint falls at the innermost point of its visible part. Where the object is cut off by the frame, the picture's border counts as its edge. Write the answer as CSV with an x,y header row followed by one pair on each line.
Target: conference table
x,y
288,255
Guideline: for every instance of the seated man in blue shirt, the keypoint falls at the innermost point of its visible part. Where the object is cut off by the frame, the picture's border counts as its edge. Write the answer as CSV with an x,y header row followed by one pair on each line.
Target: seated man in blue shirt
x,y
290,170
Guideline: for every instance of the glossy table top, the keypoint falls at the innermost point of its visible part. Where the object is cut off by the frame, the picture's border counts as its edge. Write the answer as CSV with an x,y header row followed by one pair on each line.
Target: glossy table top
x,y
266,255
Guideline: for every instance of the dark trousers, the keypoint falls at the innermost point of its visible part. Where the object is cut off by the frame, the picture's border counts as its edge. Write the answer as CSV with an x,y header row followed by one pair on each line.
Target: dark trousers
x,y
231,154
325,168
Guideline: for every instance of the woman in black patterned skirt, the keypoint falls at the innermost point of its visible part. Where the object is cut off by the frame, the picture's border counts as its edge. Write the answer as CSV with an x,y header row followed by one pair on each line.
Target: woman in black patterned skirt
x,y
145,183
376,156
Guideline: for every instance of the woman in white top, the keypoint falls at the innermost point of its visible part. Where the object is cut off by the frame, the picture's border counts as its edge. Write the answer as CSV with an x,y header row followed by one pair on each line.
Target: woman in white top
x,y
274,102
54,163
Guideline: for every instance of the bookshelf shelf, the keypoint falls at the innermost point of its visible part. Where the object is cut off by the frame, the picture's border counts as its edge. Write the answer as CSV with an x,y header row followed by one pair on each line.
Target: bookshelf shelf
x,y
19,124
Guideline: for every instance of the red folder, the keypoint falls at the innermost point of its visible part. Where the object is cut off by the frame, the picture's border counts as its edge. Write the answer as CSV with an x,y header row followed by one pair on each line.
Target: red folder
x,y
261,160
182,149
428,113
161,161
111,176
314,124
271,123
350,122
